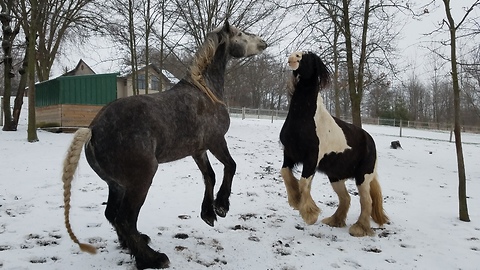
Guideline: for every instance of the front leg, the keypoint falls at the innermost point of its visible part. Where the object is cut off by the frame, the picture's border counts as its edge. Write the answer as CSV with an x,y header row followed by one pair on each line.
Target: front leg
x,y
222,202
207,213
291,184
308,209
298,192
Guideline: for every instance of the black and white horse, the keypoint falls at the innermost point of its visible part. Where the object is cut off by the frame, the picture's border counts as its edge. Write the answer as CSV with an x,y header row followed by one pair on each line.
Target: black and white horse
x,y
321,142
130,136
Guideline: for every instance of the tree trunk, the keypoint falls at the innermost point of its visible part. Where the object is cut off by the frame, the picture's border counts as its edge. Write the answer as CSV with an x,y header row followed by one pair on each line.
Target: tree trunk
x,y
462,189
336,85
357,98
350,67
355,83
356,109
7,39
17,108
133,48
147,45
32,35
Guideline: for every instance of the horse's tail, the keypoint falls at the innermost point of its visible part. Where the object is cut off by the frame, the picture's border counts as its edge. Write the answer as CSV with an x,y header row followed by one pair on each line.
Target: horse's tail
x,y
69,167
378,213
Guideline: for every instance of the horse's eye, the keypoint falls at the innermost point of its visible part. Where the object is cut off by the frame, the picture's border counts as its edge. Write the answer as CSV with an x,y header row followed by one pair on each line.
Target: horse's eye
x,y
298,55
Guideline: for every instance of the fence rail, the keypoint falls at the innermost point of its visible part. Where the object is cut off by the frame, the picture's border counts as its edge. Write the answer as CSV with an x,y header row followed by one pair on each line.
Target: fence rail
x,y
281,115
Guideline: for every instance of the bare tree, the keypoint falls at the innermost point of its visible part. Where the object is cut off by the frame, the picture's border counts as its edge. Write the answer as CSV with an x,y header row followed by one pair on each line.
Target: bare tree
x,y
57,20
32,35
417,97
367,32
198,17
8,35
265,87
453,27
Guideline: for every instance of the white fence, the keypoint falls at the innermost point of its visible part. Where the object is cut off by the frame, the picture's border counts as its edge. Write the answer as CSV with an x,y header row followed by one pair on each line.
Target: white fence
x,y
405,128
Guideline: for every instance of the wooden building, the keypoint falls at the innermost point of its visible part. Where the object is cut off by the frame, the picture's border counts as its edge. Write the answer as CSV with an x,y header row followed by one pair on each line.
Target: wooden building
x,y
73,101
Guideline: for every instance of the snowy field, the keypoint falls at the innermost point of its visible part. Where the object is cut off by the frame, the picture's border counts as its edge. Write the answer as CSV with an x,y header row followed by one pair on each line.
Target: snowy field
x,y
261,231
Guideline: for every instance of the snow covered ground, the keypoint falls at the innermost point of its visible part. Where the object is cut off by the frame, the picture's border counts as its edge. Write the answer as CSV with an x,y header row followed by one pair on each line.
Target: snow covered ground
x,y
261,231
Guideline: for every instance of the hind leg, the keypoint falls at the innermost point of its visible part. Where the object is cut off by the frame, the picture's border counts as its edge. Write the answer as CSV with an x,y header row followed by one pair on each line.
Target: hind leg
x,y
207,214
126,224
115,197
338,218
362,226
222,203
136,180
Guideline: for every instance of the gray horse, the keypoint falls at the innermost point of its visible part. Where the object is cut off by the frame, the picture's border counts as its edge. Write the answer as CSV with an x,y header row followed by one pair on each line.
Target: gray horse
x,y
130,136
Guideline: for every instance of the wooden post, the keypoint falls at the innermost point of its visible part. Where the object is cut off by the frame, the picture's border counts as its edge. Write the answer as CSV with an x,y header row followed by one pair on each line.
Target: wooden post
x,y
243,113
400,127
1,111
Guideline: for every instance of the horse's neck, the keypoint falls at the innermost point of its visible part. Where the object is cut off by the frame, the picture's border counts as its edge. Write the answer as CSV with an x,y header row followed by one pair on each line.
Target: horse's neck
x,y
306,91
304,100
215,73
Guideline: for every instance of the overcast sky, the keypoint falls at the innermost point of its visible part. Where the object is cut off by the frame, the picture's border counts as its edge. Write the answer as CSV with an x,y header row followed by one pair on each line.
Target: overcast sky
x,y
414,43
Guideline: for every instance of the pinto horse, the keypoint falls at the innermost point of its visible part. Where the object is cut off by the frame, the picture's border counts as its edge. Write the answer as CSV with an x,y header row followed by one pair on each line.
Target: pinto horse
x,y
321,142
130,136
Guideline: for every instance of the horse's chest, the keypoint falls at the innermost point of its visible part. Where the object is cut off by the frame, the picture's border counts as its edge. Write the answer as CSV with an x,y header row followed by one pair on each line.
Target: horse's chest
x,y
299,139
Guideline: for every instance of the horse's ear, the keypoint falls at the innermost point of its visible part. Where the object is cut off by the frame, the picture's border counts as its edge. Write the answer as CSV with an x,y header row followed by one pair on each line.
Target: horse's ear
x,y
226,27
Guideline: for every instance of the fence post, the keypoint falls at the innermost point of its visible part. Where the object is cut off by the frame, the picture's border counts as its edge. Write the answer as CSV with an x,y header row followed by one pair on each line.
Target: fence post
x,y
1,113
258,113
272,114
451,134
400,127
243,113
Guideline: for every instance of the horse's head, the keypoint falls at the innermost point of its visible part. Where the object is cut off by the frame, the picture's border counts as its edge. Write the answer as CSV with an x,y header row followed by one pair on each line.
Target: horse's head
x,y
307,65
241,43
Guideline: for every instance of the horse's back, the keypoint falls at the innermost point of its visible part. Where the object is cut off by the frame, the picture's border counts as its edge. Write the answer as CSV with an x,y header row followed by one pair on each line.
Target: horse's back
x,y
164,126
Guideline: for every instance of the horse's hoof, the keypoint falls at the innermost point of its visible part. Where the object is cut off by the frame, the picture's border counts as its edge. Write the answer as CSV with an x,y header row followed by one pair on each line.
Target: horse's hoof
x,y
159,260
221,207
334,222
221,212
310,213
359,230
209,219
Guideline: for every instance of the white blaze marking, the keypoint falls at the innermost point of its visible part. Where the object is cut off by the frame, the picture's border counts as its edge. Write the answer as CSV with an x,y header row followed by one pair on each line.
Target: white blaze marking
x,y
329,134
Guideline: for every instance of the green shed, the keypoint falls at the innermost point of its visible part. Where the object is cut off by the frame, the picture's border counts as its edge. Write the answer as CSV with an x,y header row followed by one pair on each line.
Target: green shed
x,y
73,101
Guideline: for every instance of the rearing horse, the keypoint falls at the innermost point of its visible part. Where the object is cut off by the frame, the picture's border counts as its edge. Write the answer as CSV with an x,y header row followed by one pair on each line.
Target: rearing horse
x,y
130,136
312,137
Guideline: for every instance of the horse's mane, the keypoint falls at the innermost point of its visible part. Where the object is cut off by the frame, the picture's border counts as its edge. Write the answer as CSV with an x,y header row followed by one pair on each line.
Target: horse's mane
x,y
323,73
203,58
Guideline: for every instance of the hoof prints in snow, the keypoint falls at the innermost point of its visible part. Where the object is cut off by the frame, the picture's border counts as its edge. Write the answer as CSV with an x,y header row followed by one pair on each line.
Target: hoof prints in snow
x,y
43,260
